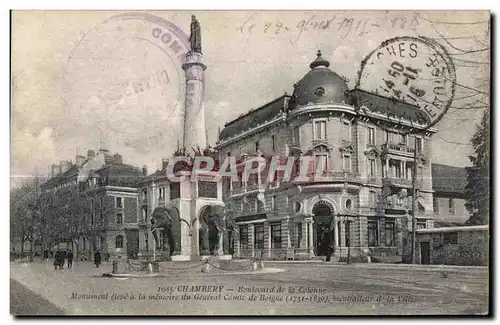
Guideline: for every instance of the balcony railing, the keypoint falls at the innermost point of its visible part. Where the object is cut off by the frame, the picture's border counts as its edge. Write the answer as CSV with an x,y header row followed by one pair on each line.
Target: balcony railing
x,y
338,176
398,148
396,181
374,180
246,189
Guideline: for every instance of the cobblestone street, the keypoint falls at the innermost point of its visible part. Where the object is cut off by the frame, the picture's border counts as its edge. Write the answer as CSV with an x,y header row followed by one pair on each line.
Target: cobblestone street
x,y
306,289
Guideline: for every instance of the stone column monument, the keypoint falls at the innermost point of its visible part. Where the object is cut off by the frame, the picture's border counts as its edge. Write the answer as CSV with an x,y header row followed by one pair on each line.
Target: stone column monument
x,y
194,113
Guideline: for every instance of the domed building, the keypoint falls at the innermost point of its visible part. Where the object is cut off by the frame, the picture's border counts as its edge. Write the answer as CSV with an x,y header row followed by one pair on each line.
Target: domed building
x,y
358,183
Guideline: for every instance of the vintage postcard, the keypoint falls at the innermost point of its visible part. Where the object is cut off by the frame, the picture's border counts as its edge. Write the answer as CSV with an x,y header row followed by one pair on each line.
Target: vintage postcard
x,y
250,162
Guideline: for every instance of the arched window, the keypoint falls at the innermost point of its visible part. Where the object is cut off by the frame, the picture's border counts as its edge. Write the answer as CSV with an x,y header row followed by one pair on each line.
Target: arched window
x,y
119,241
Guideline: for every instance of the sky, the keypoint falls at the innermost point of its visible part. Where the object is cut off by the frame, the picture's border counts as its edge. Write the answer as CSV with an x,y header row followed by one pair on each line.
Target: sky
x,y
74,73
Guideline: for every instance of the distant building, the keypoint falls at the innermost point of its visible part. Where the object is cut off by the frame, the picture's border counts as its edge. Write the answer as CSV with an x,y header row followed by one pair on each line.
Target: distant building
x,y
449,183
106,185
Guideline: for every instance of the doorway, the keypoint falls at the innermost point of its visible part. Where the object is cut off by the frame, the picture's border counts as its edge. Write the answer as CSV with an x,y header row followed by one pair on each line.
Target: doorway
x,y
425,253
322,238
323,231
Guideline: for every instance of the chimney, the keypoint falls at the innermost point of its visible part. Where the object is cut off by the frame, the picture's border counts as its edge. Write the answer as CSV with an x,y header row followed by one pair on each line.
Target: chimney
x,y
118,159
65,165
144,170
80,160
164,163
90,154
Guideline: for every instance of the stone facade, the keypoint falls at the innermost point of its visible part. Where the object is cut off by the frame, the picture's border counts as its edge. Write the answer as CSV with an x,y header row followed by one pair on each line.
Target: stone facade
x,y
363,200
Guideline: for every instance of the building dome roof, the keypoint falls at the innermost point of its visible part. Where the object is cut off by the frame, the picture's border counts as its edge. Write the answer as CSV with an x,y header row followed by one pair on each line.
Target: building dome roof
x,y
320,85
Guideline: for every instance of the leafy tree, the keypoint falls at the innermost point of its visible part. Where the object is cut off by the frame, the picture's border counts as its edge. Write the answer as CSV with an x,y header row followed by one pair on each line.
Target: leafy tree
x,y
23,200
478,182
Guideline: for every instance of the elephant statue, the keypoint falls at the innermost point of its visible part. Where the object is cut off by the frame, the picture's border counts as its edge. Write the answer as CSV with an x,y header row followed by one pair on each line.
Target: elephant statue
x,y
164,218
213,226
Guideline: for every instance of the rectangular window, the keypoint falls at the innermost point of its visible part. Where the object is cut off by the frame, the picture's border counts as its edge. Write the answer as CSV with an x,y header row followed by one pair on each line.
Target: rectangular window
x,y
402,139
320,130
435,205
321,162
409,170
276,235
299,234
259,208
373,198
418,144
451,206
450,238
296,134
257,146
373,232
346,162
371,136
175,190
421,224
259,236
207,189
244,237
119,202
273,140
274,207
346,131
119,218
92,219
390,234
397,169
371,171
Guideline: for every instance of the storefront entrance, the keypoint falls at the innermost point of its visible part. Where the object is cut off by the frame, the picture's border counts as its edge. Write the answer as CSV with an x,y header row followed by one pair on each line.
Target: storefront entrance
x,y
323,227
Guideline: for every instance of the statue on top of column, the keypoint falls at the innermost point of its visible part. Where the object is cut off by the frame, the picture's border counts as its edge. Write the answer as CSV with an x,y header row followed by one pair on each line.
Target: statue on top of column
x,y
195,37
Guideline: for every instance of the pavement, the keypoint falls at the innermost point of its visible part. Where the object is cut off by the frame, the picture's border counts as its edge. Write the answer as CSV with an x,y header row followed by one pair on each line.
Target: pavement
x,y
301,289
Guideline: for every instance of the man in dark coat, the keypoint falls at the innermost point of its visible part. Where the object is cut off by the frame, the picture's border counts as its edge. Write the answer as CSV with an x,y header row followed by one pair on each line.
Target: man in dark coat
x,y
70,259
56,259
59,260
63,258
97,258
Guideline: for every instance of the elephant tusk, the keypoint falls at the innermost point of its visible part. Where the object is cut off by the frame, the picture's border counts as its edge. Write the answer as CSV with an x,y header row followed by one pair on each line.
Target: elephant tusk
x,y
187,223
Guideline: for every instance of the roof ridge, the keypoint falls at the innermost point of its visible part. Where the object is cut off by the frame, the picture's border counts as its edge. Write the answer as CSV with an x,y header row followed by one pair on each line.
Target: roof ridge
x,y
256,109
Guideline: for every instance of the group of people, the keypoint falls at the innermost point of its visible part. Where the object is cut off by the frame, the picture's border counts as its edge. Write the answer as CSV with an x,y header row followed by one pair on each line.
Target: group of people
x,y
60,257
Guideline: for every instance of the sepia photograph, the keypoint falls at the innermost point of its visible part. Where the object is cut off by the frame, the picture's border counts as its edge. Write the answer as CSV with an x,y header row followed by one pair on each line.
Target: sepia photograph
x,y
250,162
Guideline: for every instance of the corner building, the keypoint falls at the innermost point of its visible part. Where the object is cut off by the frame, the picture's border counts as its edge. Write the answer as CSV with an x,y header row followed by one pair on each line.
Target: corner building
x,y
359,142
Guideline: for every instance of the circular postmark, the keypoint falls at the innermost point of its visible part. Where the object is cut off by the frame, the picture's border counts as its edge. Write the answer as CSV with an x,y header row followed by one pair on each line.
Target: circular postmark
x,y
416,70
125,79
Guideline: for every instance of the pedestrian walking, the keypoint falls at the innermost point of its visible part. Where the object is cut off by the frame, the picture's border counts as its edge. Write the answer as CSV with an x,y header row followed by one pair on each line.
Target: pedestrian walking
x,y
58,260
70,259
97,258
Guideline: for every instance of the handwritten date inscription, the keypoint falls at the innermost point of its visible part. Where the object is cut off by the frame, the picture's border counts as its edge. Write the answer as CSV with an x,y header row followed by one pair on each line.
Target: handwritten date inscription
x,y
345,25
